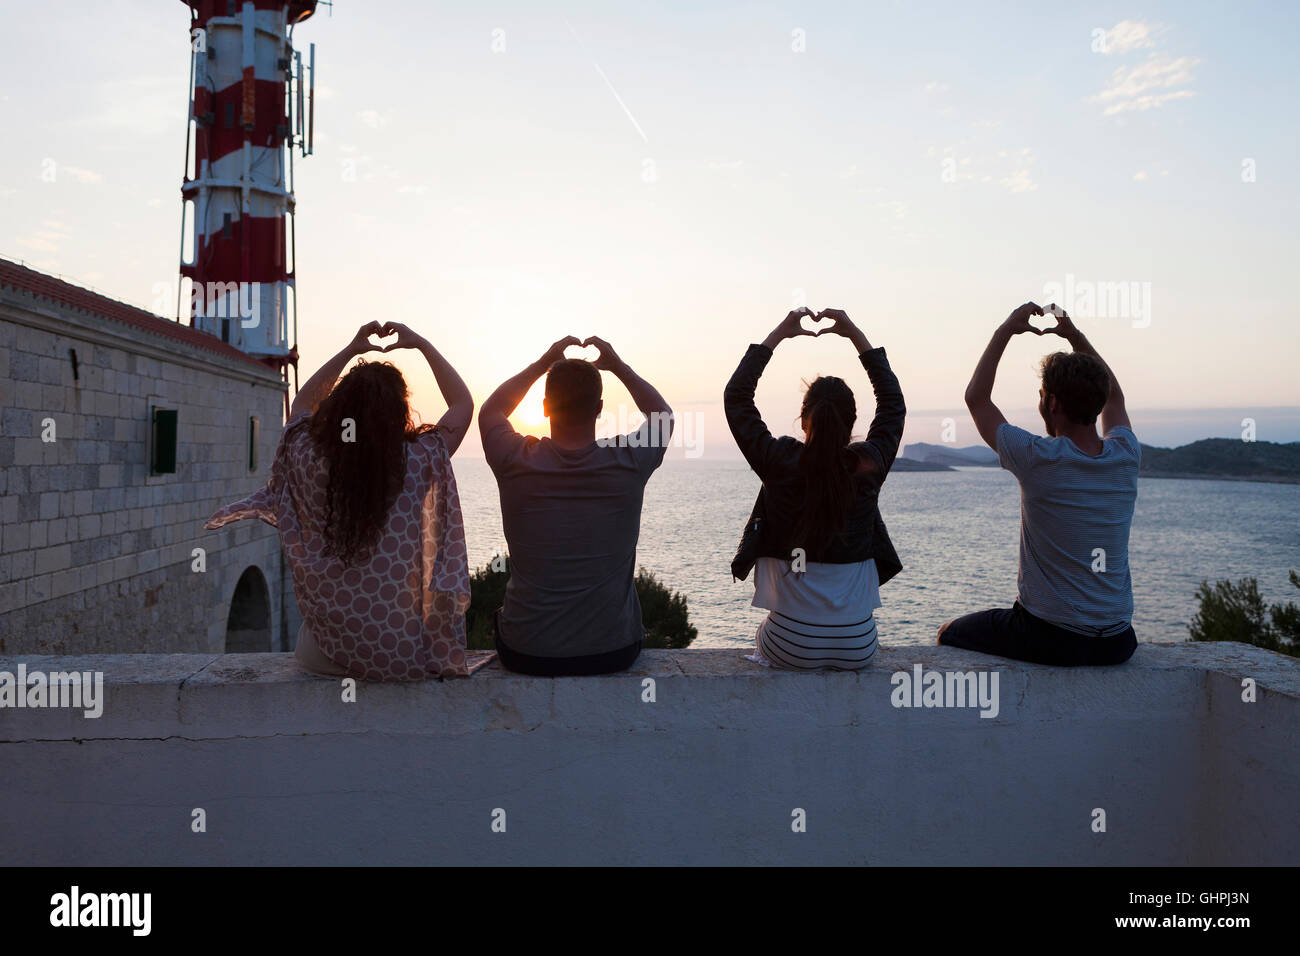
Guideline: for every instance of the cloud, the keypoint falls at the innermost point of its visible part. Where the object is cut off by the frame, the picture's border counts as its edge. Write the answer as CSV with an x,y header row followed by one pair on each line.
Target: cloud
x,y
1127,36
1024,153
1019,182
1009,167
1149,85
894,209
80,175
47,240
935,87
1141,176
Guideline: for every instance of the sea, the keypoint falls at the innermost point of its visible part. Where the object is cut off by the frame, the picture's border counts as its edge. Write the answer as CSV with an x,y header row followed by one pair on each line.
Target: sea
x,y
957,535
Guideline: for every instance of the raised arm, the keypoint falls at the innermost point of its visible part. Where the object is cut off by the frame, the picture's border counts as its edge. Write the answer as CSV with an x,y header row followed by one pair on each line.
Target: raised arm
x,y
496,410
316,388
979,393
1113,414
646,396
878,451
747,427
460,404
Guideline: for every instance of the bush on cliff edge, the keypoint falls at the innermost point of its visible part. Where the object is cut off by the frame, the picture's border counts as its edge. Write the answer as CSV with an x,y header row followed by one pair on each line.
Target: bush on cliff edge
x,y
1236,612
663,612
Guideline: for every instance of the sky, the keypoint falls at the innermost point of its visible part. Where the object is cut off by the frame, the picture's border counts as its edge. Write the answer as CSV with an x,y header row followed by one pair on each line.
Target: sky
x,y
675,177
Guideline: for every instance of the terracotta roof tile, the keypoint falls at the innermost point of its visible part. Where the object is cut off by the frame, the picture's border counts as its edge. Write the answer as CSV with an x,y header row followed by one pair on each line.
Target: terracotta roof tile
x,y
14,276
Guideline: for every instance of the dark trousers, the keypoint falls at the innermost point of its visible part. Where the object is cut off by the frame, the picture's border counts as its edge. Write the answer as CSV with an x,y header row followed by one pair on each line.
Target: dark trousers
x,y
608,663
1014,632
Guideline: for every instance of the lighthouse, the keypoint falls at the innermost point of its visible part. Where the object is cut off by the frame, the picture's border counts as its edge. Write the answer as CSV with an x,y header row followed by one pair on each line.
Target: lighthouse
x,y
251,105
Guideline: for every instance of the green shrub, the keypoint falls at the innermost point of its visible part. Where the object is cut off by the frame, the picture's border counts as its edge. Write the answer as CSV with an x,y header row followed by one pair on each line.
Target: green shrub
x,y
663,613
1236,612
487,589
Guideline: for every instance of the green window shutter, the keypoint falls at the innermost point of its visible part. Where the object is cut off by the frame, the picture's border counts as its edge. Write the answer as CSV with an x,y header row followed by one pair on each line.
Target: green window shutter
x,y
164,441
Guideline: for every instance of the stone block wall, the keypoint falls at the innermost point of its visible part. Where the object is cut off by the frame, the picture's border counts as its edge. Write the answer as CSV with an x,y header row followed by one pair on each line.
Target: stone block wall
x,y
96,554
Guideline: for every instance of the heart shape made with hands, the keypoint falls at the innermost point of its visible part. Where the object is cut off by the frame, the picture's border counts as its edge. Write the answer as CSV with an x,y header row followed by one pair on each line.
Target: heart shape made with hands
x,y
588,353
1049,321
824,324
384,346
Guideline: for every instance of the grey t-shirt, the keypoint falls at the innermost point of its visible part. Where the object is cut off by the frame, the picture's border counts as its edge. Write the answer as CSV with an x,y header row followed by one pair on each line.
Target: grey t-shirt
x,y
1075,514
571,520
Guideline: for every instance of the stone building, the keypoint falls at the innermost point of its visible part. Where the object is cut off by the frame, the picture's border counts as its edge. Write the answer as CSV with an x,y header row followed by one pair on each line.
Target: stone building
x,y
121,432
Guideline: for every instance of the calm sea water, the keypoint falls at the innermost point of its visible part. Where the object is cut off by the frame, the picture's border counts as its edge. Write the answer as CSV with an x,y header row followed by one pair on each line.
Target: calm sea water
x,y
956,533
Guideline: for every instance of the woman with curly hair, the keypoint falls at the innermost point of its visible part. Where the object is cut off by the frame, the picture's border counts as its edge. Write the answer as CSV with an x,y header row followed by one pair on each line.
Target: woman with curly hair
x,y
369,517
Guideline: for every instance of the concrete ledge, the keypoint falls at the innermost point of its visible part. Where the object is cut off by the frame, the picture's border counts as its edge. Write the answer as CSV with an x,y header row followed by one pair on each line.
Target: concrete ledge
x,y
710,772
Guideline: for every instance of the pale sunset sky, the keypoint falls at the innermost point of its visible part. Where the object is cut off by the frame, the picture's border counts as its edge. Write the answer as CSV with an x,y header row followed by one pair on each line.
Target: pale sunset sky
x,y
675,177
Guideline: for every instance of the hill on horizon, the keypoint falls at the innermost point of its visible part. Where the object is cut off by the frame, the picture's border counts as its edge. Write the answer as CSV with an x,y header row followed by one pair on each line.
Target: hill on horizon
x,y
1206,458
1225,458
980,455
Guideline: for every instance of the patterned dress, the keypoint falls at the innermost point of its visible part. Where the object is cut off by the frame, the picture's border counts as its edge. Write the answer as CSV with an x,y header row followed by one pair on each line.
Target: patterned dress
x,y
398,612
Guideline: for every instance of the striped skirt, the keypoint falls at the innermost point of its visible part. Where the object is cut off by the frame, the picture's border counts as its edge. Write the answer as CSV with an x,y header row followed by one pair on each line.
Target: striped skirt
x,y
797,645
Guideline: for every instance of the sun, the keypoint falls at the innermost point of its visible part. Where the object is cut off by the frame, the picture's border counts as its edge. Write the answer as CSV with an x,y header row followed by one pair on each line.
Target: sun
x,y
529,413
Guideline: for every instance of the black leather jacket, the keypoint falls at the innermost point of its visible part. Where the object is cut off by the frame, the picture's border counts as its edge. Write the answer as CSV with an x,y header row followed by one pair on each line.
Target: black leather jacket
x,y
776,462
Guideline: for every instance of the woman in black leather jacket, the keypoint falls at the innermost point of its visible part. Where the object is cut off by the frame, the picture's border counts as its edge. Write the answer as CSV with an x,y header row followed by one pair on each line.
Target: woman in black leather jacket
x,y
816,540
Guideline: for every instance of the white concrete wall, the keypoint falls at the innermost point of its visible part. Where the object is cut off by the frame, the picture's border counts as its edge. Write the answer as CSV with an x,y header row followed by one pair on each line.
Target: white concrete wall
x,y
587,772
95,553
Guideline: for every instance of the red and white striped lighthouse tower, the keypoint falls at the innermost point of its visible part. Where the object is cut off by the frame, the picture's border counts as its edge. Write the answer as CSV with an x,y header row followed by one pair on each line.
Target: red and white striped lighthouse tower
x,y
249,107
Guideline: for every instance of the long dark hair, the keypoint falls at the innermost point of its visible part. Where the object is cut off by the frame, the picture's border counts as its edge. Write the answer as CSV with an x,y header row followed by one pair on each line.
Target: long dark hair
x,y
366,473
828,414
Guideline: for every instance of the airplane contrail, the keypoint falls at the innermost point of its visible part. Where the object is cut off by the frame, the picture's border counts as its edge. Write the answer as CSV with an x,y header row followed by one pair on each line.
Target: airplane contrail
x,y
639,130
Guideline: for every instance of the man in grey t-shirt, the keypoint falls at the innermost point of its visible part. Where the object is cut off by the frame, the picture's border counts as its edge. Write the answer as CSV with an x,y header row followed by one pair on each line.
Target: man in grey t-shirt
x,y
1078,490
571,512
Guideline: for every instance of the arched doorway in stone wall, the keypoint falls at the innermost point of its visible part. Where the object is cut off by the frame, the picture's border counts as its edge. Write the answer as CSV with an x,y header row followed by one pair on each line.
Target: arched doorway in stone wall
x,y
248,628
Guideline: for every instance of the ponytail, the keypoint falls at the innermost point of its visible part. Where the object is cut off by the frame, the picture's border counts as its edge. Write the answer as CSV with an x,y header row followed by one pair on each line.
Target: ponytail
x,y
829,412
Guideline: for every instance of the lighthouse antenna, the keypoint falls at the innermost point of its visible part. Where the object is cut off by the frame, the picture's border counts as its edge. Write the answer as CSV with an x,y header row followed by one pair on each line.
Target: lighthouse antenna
x,y
311,98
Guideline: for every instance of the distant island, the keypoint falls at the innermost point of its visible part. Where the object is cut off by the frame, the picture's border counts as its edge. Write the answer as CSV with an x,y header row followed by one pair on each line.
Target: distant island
x,y
911,464
1227,459
975,455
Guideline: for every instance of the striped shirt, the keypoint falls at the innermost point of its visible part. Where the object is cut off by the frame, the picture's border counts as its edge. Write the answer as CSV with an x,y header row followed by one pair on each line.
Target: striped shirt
x,y
821,617
1075,514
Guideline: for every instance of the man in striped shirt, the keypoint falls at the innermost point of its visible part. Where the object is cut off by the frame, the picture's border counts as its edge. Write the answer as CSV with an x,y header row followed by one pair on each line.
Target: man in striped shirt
x,y
1077,494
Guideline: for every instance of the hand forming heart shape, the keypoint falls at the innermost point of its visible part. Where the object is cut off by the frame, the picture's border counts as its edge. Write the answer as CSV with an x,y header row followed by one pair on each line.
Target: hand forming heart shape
x,y
1051,313
827,324
386,332
588,352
